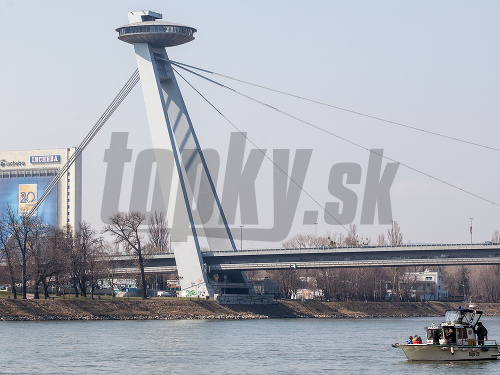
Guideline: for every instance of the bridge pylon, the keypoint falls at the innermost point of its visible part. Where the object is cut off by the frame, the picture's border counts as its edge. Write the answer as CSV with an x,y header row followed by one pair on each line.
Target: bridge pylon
x,y
179,156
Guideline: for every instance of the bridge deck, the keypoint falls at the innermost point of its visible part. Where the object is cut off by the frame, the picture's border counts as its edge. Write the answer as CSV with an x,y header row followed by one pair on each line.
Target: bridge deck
x,y
325,257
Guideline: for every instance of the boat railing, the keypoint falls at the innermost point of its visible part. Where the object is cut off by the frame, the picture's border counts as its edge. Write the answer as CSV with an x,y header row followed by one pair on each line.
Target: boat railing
x,y
490,342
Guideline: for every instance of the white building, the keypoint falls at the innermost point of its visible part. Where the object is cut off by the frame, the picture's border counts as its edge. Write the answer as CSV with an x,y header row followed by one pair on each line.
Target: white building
x,y
24,176
426,285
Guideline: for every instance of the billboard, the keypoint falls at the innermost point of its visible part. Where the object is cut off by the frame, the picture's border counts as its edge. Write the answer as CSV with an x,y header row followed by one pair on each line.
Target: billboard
x,y
27,198
21,193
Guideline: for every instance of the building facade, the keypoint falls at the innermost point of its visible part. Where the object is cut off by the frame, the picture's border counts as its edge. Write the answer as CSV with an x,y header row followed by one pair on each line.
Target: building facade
x,y
24,176
426,285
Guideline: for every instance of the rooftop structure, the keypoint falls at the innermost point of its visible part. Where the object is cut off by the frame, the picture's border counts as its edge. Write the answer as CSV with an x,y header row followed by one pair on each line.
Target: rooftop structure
x,y
144,27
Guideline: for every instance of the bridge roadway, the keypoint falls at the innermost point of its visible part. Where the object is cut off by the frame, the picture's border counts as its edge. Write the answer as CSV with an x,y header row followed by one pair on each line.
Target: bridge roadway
x,y
327,257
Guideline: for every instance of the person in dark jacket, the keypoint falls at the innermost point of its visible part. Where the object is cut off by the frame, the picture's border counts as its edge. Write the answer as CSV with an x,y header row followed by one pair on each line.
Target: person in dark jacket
x,y
481,333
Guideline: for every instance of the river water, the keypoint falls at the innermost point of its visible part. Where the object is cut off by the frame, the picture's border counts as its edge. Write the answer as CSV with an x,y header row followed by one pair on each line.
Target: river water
x,y
280,346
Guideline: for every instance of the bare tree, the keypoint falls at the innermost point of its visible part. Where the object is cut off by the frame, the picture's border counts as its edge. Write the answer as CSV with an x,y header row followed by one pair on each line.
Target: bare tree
x,y
60,247
325,281
159,231
495,238
20,228
88,246
39,257
9,254
304,241
288,281
481,286
381,240
394,235
352,238
464,287
125,229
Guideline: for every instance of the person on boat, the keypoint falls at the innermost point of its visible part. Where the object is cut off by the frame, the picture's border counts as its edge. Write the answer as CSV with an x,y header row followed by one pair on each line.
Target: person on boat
x,y
410,340
417,340
481,333
436,335
450,337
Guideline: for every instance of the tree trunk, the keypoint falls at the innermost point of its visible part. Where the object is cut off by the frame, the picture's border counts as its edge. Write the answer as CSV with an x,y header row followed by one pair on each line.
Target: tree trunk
x,y
45,288
92,287
36,294
14,291
24,277
75,285
12,280
83,286
143,275
11,273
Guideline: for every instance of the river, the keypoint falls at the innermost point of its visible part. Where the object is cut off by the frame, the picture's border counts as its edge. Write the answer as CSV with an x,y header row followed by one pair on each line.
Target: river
x,y
279,346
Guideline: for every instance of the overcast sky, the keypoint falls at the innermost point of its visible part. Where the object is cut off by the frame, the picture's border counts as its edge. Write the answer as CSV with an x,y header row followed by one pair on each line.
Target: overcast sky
x,y
431,65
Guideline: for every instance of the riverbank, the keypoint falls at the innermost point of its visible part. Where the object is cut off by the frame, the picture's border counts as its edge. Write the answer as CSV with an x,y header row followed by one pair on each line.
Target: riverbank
x,y
177,308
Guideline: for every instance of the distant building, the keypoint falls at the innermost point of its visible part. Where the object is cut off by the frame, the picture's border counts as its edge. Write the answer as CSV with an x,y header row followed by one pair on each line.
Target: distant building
x,y
24,176
426,285
265,286
307,291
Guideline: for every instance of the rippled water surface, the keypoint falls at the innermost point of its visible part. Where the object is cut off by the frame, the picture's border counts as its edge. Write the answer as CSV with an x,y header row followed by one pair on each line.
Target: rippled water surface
x,y
288,346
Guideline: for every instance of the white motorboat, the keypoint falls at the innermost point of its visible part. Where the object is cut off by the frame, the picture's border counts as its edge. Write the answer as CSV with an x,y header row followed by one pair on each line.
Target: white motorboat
x,y
454,340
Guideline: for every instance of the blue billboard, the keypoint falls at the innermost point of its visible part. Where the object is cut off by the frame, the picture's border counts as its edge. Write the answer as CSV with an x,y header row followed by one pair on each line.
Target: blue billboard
x,y
21,193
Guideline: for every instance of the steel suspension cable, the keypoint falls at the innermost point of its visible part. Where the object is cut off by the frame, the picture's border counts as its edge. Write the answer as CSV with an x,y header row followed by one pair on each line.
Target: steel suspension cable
x,y
338,136
119,98
260,150
341,108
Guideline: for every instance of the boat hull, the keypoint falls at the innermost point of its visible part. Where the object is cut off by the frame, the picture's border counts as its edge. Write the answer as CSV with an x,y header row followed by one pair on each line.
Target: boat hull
x,y
429,352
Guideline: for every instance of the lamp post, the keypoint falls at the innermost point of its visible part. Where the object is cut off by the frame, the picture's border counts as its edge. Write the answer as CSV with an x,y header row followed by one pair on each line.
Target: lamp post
x,y
241,237
316,229
471,230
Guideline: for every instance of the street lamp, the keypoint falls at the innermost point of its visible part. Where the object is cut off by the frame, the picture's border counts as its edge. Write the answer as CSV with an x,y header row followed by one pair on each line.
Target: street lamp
x,y
241,237
471,230
316,229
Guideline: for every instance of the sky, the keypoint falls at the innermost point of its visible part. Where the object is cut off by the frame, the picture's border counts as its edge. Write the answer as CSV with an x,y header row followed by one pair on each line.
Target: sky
x,y
430,65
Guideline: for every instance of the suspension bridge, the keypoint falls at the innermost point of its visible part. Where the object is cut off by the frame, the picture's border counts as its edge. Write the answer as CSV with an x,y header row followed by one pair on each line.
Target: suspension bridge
x,y
171,129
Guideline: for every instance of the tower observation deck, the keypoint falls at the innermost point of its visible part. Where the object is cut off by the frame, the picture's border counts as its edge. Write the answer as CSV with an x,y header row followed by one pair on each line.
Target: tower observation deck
x,y
147,29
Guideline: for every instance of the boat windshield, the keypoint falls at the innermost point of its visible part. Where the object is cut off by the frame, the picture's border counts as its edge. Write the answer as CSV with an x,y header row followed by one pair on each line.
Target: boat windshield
x,y
466,317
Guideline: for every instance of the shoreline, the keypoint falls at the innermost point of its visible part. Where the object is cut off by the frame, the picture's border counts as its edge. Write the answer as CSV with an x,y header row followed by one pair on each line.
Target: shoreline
x,y
170,309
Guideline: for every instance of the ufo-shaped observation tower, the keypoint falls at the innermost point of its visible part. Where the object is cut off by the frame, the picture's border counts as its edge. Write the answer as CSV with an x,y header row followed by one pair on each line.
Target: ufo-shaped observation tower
x,y
179,156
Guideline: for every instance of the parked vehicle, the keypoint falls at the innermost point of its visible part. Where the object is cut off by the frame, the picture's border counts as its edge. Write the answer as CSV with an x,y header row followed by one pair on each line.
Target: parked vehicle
x,y
166,293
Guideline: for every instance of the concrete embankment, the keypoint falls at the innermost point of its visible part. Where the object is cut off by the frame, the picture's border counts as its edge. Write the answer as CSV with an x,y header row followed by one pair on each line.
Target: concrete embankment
x,y
81,309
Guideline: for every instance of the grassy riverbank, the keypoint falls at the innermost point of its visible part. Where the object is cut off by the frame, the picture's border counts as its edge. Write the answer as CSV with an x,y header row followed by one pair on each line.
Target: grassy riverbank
x,y
179,308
